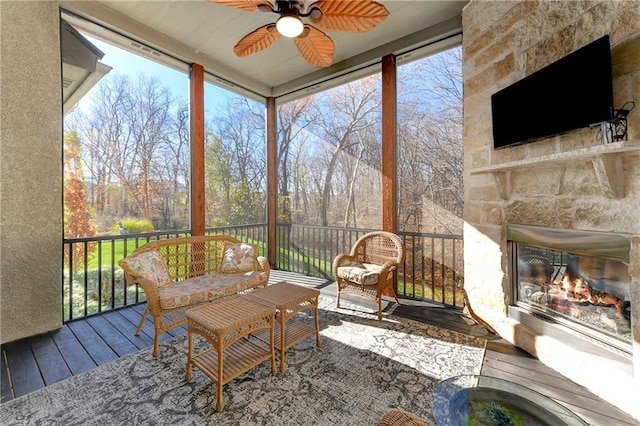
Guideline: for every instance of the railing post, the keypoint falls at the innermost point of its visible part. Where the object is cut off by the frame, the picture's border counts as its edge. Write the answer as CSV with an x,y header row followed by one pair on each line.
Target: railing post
x,y
272,187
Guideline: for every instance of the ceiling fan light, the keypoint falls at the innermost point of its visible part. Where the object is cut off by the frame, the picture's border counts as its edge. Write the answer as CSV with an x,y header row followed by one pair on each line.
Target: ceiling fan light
x,y
289,26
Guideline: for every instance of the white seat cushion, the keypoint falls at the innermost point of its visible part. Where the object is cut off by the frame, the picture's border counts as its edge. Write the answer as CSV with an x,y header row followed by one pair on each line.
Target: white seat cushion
x,y
363,274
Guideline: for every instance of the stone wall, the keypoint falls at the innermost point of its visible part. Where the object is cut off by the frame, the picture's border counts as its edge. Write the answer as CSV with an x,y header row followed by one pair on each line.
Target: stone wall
x,y
30,170
503,42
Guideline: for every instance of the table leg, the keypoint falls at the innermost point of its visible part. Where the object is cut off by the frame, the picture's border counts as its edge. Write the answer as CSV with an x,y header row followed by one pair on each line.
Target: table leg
x,y
220,402
282,319
187,375
273,351
318,342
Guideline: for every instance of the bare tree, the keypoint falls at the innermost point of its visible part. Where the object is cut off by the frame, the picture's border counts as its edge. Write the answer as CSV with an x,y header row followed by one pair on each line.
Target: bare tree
x,y
293,120
132,141
239,134
430,137
346,113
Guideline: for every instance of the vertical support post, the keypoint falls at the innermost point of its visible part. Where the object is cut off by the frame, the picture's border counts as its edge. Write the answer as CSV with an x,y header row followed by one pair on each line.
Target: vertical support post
x,y
272,187
196,120
389,120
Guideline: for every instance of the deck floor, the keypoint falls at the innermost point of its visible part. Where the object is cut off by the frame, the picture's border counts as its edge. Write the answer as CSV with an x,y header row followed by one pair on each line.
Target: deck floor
x,y
32,363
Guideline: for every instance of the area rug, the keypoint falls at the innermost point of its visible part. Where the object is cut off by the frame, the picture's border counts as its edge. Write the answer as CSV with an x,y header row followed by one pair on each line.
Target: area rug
x,y
363,369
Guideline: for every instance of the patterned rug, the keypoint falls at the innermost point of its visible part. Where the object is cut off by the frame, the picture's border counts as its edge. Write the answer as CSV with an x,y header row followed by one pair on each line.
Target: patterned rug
x,y
364,368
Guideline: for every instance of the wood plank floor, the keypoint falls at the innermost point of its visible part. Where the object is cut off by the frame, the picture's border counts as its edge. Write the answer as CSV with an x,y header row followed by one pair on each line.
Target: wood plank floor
x,y
30,364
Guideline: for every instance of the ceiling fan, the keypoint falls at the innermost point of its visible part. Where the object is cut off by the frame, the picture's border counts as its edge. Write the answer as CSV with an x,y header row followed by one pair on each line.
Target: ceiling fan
x,y
314,45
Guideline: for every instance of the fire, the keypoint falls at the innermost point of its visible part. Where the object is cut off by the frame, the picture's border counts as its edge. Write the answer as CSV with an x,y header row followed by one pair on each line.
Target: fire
x,y
577,290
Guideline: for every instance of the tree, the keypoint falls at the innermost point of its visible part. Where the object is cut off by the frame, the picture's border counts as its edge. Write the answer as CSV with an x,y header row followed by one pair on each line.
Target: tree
x,y
329,151
293,119
136,140
78,217
347,113
217,181
235,162
430,140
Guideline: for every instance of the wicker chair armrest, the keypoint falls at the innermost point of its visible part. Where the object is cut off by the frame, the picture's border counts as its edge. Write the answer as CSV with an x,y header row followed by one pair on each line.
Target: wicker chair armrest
x,y
388,266
341,260
264,263
150,288
151,291
266,267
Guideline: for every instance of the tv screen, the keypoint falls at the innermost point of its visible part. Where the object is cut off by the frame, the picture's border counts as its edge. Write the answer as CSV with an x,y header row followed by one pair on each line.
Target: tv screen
x,y
573,93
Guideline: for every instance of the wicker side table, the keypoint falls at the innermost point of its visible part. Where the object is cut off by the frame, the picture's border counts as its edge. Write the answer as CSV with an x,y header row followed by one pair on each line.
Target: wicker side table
x,y
225,323
289,299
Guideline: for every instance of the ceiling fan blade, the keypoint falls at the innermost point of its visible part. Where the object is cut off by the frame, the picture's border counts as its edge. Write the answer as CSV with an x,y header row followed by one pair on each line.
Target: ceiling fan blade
x,y
349,16
256,40
315,47
248,5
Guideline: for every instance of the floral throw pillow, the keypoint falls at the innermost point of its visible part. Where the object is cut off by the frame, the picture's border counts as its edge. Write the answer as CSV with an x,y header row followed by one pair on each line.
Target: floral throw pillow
x,y
238,257
149,265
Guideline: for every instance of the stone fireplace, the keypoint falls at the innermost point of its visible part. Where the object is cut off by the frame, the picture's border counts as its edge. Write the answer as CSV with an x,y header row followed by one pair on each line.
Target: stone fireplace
x,y
571,188
575,280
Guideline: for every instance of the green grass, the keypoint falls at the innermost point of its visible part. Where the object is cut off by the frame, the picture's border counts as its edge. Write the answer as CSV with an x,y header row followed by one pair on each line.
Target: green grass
x,y
303,261
117,247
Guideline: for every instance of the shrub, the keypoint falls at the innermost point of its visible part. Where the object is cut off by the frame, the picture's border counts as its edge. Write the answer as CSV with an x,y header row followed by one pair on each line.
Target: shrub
x,y
134,226
99,290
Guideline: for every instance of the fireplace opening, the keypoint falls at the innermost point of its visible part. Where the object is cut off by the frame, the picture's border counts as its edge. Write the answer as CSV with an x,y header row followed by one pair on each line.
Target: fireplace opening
x,y
579,280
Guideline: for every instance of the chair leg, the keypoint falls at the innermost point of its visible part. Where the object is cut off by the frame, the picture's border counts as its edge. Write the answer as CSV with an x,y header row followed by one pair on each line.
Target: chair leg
x,y
156,345
395,296
142,320
156,336
379,307
338,294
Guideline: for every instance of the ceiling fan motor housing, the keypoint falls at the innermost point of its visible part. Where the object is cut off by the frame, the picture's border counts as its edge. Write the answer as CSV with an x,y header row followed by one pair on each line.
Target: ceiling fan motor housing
x,y
314,45
288,7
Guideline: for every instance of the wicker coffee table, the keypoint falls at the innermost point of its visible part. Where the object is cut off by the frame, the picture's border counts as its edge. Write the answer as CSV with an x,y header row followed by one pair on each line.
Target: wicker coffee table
x,y
226,323
289,299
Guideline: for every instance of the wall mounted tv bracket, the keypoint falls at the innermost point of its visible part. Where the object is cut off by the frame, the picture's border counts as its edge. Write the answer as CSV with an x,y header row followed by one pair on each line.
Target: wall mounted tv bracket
x,y
615,130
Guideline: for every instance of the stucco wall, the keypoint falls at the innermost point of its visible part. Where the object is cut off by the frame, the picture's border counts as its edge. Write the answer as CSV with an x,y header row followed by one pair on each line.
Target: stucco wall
x,y
504,41
30,171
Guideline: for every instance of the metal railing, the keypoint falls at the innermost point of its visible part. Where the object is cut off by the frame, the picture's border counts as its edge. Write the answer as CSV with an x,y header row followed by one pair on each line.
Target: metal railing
x,y
310,250
254,234
92,280
433,268
94,283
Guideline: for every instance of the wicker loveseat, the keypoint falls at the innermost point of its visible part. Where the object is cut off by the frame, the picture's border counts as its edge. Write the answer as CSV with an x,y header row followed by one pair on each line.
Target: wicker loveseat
x,y
179,273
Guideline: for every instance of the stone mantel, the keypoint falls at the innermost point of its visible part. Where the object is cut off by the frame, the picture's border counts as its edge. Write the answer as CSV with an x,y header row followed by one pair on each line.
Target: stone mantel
x,y
603,157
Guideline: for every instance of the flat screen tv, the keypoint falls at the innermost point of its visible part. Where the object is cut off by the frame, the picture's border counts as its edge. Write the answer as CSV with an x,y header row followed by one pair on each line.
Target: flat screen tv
x,y
572,93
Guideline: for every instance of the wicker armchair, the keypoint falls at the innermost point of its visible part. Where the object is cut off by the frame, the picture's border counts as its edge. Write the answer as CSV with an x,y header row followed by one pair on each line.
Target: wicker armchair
x,y
368,270
400,418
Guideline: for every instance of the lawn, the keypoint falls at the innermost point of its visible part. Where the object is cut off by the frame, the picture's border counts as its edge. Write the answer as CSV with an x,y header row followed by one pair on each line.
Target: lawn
x,y
110,252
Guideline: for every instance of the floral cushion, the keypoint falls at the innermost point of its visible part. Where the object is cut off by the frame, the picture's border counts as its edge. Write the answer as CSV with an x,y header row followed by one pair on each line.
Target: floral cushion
x,y
206,287
150,266
364,274
239,257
